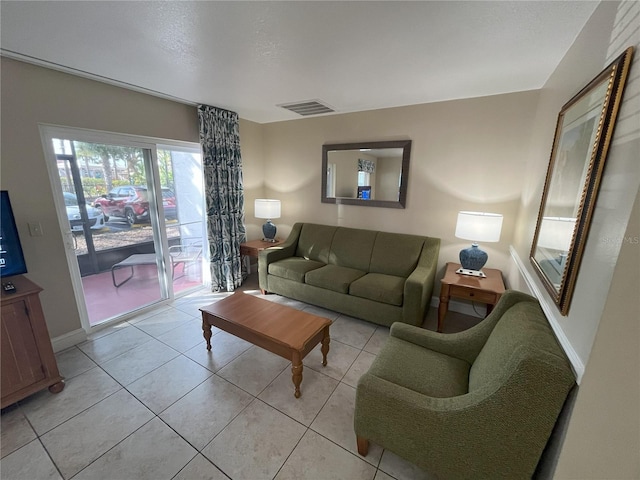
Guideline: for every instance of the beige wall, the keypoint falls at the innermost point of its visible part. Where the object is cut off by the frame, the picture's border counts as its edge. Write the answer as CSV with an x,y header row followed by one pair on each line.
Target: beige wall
x,y
465,155
602,326
603,439
587,57
388,171
346,162
32,95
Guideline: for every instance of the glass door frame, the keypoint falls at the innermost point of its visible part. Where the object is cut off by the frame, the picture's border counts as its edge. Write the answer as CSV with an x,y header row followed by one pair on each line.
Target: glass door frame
x,y
47,134
82,206
191,148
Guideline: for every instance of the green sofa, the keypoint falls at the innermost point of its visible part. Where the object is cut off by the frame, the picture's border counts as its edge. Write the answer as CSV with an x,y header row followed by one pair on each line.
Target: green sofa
x,y
480,404
376,276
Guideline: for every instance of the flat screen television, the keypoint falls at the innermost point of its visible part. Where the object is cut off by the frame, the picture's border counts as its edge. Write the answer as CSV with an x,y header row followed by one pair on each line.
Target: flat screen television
x,y
11,256
364,193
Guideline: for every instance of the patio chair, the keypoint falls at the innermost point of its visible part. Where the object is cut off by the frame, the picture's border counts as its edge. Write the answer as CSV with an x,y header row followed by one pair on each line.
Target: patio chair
x,y
186,254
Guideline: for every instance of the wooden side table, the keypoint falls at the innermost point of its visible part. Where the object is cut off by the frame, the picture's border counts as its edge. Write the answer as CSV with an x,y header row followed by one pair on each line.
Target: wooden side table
x,y
484,290
253,248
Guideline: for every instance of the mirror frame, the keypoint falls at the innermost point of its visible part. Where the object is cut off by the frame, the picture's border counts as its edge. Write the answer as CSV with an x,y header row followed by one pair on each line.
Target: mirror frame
x,y
614,77
404,173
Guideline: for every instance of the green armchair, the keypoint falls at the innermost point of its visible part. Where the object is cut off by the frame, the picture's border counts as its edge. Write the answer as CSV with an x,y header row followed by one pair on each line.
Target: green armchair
x,y
477,404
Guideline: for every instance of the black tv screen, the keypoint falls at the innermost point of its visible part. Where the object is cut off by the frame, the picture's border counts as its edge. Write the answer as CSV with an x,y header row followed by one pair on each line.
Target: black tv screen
x,y
11,256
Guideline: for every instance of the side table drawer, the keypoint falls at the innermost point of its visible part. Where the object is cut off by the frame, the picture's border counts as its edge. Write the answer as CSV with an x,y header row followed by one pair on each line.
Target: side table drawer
x,y
476,295
248,251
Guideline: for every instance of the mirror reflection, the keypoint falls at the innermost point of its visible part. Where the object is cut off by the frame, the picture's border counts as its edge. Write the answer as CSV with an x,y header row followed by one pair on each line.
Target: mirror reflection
x,y
554,242
583,133
566,187
366,174
370,174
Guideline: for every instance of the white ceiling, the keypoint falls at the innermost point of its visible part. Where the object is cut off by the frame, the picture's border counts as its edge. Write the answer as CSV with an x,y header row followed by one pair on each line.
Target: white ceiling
x,y
252,56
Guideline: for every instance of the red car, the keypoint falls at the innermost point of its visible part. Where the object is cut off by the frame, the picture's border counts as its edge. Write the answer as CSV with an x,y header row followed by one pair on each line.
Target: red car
x,y
132,203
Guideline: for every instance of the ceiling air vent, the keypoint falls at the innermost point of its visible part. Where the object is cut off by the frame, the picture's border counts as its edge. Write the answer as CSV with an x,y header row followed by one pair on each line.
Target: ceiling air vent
x,y
308,107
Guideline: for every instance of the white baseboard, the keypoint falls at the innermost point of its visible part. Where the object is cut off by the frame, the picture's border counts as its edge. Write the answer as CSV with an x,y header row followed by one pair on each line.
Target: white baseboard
x,y
551,313
68,340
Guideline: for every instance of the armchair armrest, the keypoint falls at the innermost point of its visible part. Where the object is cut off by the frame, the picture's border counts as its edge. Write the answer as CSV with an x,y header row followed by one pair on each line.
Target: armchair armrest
x,y
464,345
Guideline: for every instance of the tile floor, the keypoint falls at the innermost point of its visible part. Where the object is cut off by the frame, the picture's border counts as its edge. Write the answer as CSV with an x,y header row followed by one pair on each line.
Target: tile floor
x,y
145,400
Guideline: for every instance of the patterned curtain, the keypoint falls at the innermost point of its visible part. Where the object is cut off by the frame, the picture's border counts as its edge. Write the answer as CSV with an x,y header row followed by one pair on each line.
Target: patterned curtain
x,y
224,194
368,166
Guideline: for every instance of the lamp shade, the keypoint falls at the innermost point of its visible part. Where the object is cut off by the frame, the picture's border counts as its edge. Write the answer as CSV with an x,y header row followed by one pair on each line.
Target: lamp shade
x,y
267,208
479,226
556,232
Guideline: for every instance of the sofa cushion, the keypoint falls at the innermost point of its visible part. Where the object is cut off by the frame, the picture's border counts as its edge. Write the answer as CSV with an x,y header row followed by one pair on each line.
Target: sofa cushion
x,y
314,242
293,268
395,254
352,247
522,330
379,288
333,277
422,370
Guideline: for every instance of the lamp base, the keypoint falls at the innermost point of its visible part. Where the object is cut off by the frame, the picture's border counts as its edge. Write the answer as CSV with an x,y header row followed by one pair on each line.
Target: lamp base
x,y
473,258
269,231
472,273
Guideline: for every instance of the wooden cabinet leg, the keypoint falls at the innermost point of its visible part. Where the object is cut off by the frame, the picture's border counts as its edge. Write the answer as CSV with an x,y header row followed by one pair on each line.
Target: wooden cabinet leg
x,y
363,446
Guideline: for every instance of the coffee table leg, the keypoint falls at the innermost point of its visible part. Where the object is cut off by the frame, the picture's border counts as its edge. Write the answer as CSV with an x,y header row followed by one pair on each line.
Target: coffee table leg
x,y
296,369
206,333
325,346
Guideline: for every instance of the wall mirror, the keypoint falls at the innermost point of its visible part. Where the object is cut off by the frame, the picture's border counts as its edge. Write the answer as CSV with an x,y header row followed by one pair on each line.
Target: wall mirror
x,y
372,174
581,142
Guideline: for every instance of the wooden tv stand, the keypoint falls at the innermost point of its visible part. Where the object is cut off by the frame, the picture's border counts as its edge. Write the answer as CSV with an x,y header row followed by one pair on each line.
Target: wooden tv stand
x,y
28,361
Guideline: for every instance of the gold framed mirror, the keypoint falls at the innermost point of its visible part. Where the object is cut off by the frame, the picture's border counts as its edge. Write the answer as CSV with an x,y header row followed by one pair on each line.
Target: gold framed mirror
x,y
371,174
583,134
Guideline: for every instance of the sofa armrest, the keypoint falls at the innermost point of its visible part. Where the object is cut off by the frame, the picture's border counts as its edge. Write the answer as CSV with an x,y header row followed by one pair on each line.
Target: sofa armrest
x,y
273,254
418,287
464,345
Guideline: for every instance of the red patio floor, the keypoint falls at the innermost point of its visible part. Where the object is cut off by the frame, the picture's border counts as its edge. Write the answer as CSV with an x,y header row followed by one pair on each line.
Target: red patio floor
x,y
104,301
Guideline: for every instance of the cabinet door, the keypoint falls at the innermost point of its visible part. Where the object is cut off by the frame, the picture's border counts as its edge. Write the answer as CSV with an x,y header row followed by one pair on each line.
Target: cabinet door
x,y
21,362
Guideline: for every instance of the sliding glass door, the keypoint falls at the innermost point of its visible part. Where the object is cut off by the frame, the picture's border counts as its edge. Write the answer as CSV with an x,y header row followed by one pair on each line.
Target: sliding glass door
x,y
133,219
184,212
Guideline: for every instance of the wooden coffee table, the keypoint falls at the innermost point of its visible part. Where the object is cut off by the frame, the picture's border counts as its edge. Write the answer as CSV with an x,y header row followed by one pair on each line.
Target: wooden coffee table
x,y
282,330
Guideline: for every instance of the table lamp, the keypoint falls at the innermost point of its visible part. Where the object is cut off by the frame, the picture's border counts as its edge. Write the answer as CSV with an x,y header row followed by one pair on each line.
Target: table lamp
x,y
268,208
478,227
